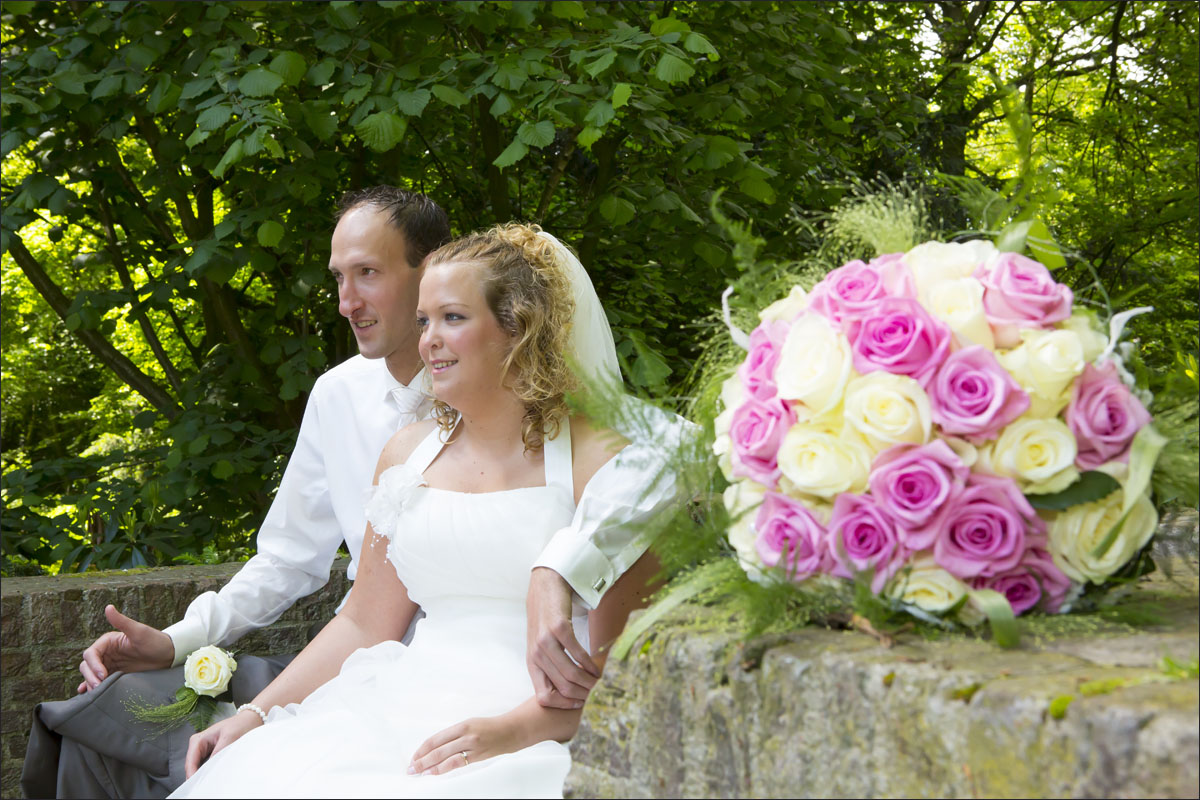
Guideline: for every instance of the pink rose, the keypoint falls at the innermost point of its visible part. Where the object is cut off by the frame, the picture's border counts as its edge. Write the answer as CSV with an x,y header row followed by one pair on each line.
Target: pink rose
x,y
973,396
756,432
787,531
1019,292
1104,416
985,531
852,289
862,536
899,336
915,484
1036,581
758,370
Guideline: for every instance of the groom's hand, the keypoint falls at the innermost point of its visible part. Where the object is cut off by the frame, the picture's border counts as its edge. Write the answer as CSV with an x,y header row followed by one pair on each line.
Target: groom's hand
x,y
558,681
132,647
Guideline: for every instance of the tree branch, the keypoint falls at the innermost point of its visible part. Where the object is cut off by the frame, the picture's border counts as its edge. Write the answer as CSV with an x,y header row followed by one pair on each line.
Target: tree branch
x,y
100,347
556,173
447,175
987,47
605,151
1110,90
136,311
139,199
489,134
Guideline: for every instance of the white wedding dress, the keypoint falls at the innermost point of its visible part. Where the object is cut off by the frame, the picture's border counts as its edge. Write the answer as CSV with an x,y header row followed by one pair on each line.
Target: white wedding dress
x,y
465,558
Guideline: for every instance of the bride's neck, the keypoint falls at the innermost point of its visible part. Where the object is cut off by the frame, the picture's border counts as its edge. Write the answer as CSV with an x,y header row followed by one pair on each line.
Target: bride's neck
x,y
495,425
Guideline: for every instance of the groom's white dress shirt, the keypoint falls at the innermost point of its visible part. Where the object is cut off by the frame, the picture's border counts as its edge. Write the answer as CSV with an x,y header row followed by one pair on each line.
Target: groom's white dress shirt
x,y
352,411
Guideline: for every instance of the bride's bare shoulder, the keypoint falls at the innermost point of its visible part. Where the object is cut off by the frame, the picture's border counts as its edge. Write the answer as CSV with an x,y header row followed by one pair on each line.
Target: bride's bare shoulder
x,y
592,447
402,444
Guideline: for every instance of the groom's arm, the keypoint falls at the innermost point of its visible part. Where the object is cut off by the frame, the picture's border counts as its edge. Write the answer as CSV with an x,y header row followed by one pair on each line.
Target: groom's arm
x,y
296,547
296,544
611,529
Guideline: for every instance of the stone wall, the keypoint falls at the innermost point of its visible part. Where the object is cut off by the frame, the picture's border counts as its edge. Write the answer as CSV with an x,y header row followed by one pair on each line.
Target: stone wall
x,y
47,622
694,712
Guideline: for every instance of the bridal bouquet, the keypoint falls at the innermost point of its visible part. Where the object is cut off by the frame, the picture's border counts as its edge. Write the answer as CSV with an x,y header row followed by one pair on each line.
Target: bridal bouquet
x,y
945,423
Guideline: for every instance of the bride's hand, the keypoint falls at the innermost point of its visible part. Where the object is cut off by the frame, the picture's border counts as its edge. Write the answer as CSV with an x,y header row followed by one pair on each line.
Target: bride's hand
x,y
208,742
468,742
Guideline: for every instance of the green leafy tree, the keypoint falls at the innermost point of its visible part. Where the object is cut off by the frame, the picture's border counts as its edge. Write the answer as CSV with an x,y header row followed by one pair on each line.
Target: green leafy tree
x,y
169,170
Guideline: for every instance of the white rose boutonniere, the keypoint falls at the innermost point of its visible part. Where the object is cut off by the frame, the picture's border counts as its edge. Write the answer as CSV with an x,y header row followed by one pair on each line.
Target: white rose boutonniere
x,y
208,671
206,675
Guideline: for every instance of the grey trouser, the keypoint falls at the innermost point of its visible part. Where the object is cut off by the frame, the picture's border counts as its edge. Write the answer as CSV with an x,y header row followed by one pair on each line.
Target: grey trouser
x,y
91,746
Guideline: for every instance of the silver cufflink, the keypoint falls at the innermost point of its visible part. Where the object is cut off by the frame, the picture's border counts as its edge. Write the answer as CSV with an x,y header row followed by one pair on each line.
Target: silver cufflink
x,y
599,584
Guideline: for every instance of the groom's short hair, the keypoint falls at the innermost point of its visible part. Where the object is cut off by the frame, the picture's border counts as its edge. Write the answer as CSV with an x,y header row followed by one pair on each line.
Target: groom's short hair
x,y
422,221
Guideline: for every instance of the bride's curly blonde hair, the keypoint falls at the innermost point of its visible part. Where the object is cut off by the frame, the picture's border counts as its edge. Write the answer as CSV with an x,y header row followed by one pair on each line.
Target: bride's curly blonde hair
x,y
528,291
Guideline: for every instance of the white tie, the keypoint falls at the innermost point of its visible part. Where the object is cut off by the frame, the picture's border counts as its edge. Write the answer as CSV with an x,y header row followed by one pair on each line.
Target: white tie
x,y
408,401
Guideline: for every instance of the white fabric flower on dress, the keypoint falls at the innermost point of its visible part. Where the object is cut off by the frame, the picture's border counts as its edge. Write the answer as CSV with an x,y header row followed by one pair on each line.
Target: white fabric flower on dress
x,y
385,501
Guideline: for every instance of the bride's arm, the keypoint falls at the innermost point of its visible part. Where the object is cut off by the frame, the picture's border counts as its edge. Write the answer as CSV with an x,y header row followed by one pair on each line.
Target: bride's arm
x,y
377,609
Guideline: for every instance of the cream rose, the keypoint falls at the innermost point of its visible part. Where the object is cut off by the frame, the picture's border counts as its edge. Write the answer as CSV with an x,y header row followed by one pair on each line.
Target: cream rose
x,y
1083,325
732,396
1075,532
814,365
822,461
926,585
787,308
888,409
934,262
966,451
959,303
741,500
1044,364
208,670
1037,453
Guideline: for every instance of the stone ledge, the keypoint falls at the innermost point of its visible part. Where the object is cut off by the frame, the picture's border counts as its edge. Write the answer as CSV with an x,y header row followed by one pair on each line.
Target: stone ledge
x,y
824,713
46,622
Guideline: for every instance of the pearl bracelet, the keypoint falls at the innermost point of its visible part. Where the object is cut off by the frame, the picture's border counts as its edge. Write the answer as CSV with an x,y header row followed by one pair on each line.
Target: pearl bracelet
x,y
255,709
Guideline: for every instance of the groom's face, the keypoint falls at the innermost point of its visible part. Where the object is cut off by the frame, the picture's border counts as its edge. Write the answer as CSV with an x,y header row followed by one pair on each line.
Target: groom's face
x,y
377,287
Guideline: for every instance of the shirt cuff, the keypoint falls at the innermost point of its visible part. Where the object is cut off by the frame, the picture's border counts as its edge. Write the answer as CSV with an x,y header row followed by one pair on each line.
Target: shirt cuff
x,y
583,565
186,635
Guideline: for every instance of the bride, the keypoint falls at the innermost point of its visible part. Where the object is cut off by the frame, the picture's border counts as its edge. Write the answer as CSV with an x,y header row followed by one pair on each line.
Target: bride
x,y
462,507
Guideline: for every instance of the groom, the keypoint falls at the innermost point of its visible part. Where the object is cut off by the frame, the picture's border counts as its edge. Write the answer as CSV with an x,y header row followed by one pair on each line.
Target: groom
x,y
88,746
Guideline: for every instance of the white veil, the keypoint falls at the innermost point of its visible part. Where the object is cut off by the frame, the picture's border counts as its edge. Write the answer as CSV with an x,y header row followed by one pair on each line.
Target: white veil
x,y
592,349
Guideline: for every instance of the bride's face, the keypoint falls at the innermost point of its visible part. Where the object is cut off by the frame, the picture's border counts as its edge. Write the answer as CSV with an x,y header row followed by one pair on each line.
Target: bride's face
x,y
462,344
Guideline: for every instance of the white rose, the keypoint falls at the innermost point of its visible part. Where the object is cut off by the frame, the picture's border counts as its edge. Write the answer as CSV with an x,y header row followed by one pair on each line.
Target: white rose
x,y
970,614
1044,364
966,451
787,308
959,303
1038,453
888,409
1083,325
1117,470
208,670
926,585
741,500
822,461
814,364
732,396
1075,532
934,262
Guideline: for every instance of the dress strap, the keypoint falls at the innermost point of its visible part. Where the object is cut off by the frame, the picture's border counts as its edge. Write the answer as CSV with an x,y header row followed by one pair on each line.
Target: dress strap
x,y
556,453
427,450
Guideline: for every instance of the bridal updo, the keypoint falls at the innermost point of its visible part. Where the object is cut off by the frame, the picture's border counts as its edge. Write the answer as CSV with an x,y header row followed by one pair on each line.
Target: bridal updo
x,y
527,290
